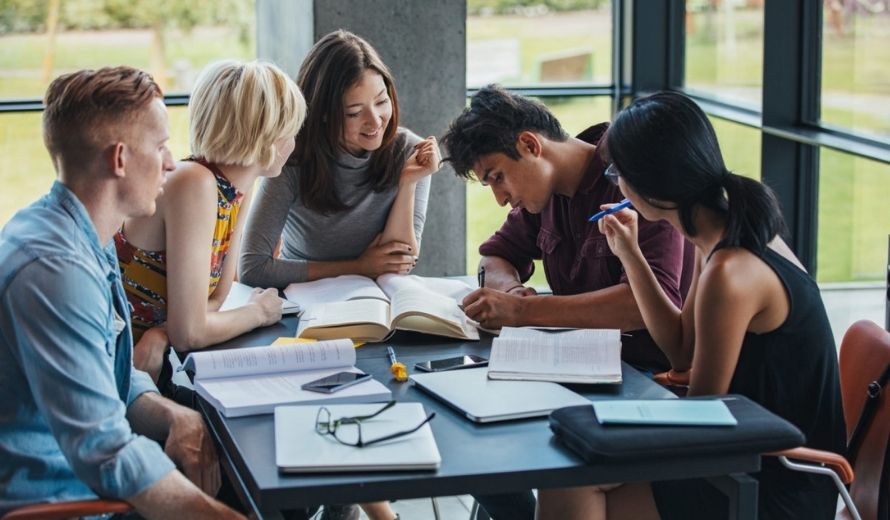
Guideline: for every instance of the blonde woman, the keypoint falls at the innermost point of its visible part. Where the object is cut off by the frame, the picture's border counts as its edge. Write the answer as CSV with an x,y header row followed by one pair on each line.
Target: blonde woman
x,y
178,265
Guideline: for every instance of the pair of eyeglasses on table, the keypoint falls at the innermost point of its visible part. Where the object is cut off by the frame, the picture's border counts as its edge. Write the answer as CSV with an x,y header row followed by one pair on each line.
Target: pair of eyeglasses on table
x,y
348,430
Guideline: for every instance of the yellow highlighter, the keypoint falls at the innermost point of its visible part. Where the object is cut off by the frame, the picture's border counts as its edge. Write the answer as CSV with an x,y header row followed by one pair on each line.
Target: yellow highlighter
x,y
399,371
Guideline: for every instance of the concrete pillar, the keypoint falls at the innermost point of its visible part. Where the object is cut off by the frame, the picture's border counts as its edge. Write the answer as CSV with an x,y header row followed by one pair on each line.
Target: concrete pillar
x,y
424,44
284,32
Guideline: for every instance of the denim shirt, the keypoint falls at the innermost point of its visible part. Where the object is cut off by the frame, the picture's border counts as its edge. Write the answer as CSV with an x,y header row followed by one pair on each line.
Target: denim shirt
x,y
66,370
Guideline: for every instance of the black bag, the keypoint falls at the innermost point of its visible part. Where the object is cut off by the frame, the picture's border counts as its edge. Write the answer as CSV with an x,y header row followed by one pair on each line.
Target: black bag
x,y
758,430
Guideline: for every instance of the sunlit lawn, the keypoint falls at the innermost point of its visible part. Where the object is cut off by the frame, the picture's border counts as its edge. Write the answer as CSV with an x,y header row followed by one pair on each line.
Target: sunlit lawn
x,y
854,219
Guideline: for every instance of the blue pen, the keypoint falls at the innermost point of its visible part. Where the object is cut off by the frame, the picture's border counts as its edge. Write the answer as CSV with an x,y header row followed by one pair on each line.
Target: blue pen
x,y
614,209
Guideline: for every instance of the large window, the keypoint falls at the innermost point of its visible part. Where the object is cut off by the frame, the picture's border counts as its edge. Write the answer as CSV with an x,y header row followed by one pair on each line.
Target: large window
x,y
855,71
43,39
724,49
827,116
854,218
25,167
518,43
740,146
172,39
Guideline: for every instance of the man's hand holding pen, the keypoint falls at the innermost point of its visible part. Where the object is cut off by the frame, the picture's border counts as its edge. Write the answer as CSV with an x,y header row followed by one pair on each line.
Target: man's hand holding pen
x,y
493,309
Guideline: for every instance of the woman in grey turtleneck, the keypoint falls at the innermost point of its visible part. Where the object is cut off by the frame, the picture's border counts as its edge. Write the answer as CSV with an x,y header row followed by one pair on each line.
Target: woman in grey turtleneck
x,y
352,197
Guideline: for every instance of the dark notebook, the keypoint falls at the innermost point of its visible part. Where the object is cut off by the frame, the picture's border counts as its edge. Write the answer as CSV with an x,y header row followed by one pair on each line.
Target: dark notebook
x,y
758,430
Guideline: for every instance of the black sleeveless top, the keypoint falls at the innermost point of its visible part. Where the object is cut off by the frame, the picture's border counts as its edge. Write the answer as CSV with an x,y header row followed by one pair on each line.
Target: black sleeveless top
x,y
792,371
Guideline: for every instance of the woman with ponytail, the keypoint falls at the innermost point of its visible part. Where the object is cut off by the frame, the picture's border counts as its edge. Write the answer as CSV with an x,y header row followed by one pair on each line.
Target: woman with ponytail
x,y
752,324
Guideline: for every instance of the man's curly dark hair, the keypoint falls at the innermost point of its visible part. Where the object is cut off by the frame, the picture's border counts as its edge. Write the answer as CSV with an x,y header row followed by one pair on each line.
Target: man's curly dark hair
x,y
492,123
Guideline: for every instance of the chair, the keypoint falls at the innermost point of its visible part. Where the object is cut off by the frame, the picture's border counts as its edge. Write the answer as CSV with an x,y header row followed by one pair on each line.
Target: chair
x,y
61,510
864,362
864,369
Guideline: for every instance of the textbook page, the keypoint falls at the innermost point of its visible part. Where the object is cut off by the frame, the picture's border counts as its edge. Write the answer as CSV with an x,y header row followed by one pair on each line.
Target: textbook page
x,y
271,360
451,288
337,289
364,320
572,356
412,307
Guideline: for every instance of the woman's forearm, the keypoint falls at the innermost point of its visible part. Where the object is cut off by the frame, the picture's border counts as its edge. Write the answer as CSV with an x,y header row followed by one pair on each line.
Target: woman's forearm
x,y
400,222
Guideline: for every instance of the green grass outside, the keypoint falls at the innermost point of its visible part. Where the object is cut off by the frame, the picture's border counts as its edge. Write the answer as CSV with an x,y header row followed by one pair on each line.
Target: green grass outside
x,y
853,216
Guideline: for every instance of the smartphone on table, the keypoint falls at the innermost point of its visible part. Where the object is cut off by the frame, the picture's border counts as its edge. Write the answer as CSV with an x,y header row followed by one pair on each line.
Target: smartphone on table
x,y
336,382
453,363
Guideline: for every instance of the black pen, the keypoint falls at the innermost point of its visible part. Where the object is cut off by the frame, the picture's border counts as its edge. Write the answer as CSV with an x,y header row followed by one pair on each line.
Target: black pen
x,y
480,277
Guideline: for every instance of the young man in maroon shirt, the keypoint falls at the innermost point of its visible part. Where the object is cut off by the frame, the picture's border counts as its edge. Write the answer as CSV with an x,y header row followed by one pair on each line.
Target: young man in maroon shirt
x,y
554,183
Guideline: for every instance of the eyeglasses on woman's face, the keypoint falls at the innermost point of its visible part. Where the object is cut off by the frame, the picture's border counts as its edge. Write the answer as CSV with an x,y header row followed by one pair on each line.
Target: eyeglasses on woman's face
x,y
348,430
612,174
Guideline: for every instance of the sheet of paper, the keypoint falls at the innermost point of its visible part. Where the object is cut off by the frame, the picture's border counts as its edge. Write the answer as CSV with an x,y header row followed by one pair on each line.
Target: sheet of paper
x,y
393,283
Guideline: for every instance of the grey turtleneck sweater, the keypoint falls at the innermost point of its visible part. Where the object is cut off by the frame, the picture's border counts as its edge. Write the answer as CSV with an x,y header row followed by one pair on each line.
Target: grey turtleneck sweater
x,y
310,236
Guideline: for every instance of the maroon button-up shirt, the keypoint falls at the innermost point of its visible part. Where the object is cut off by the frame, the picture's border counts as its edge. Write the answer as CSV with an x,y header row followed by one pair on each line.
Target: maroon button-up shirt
x,y
575,254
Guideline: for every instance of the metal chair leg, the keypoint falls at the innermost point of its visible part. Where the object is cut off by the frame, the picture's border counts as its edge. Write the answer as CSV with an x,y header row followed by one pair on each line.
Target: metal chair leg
x,y
474,510
436,514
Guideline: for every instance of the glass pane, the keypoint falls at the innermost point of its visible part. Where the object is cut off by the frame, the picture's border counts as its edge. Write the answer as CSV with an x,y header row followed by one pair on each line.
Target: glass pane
x,y
484,216
553,41
172,40
740,145
855,75
724,49
25,168
26,172
854,218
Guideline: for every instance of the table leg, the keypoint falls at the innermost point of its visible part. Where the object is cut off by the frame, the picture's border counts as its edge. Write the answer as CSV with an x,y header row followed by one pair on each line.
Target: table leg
x,y
741,489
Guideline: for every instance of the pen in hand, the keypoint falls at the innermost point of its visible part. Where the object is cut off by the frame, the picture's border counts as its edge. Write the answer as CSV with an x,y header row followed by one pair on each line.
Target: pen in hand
x,y
399,371
614,209
480,277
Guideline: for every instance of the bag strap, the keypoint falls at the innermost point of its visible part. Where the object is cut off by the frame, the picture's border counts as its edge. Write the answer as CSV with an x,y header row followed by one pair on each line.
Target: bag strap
x,y
873,393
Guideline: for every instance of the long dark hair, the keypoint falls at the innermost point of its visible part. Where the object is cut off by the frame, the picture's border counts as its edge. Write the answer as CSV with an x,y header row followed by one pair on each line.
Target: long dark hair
x,y
665,148
334,64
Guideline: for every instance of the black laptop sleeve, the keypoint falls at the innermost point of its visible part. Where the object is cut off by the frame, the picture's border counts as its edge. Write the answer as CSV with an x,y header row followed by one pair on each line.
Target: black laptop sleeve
x,y
758,430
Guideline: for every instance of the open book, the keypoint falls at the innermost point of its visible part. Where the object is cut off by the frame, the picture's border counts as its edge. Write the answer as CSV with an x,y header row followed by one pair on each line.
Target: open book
x,y
254,380
570,356
356,307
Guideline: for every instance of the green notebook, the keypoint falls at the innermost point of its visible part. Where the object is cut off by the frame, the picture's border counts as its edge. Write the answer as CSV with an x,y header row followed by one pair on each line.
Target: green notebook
x,y
674,412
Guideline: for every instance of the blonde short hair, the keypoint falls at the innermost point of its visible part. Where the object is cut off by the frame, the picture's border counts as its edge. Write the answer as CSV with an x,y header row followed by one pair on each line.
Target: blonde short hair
x,y
238,110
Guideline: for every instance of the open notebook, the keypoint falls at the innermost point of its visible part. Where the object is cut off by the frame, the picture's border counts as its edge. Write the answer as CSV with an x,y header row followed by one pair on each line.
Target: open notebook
x,y
300,449
254,380
590,356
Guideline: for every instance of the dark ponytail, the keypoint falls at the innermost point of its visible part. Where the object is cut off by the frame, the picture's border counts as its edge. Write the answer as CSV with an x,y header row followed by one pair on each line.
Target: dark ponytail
x,y
666,149
753,216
